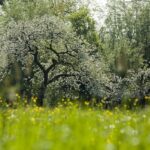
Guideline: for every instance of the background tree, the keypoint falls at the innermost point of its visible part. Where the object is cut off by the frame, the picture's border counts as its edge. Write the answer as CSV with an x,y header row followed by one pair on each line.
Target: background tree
x,y
25,10
125,46
127,24
84,25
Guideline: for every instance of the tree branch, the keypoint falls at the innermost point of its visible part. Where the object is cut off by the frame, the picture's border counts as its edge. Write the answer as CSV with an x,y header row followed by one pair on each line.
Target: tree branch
x,y
51,67
59,53
36,60
59,63
54,51
60,76
35,56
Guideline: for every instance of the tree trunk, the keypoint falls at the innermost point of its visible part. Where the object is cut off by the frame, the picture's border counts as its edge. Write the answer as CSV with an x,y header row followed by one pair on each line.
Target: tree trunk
x,y
41,95
42,90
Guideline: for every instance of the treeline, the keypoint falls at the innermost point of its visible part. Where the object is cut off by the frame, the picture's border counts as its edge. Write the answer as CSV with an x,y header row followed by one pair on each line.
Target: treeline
x,y
52,50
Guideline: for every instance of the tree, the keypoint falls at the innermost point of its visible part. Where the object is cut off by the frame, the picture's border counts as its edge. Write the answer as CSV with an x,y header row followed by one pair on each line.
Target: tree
x,y
125,37
125,34
26,10
128,21
46,48
84,25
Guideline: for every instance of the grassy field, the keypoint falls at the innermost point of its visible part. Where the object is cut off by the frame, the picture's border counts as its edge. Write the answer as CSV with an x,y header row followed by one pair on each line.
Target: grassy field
x,y
73,128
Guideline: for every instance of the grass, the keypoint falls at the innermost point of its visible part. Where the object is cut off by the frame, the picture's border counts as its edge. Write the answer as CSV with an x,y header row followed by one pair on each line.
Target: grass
x,y
73,128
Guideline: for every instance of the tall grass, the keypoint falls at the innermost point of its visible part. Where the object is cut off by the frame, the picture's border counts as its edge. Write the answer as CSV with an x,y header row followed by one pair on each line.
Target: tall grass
x,y
73,128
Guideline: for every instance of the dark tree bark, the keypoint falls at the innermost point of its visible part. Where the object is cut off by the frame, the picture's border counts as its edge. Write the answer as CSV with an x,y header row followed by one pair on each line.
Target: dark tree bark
x,y
42,89
41,95
1,2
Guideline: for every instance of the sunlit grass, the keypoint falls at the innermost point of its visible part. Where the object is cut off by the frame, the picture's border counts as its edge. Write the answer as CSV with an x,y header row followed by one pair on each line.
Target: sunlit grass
x,y
73,127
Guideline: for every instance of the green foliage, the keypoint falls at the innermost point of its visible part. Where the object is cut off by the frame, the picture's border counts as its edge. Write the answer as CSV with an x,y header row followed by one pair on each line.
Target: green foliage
x,y
84,25
46,50
52,49
123,56
126,23
24,10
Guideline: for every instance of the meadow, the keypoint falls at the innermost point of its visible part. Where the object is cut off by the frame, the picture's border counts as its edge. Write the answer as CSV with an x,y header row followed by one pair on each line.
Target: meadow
x,y
72,127
52,51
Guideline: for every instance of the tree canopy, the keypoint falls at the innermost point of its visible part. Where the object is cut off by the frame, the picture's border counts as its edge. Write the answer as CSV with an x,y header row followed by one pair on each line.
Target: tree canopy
x,y
52,49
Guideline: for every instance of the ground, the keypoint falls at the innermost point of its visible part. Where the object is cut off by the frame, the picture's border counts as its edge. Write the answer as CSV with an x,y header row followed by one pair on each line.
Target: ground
x,y
74,128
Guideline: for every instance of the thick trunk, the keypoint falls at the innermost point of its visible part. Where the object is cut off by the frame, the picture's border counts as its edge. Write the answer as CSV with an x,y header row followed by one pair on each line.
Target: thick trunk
x,y
42,90
41,95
